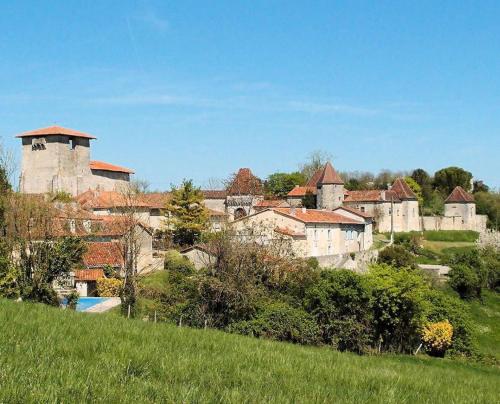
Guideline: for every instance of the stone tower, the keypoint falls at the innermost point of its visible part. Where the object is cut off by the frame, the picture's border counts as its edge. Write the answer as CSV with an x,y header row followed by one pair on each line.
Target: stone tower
x,y
55,159
330,189
461,204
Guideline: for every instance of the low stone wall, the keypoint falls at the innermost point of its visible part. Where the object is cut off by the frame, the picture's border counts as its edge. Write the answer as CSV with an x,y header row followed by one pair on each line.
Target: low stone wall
x,y
357,262
454,223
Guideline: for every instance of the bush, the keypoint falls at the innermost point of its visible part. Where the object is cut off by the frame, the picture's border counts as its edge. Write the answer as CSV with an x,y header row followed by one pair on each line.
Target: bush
x,y
437,337
451,235
340,303
280,322
399,306
175,262
444,307
109,287
412,241
72,300
464,280
396,256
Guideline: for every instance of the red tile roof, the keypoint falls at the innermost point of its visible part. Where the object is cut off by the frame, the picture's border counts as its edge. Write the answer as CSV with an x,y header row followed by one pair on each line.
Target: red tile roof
x,y
271,203
286,231
101,165
214,194
302,191
313,181
92,199
459,195
245,183
402,189
329,175
56,130
316,216
355,211
99,254
89,274
373,195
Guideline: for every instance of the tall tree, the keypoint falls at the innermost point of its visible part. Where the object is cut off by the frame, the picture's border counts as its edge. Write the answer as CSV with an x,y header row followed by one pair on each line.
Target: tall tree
x,y
415,187
280,184
446,179
315,161
186,214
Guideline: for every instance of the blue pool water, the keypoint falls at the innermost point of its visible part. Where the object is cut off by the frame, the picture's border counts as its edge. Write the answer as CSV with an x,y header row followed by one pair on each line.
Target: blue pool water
x,y
85,303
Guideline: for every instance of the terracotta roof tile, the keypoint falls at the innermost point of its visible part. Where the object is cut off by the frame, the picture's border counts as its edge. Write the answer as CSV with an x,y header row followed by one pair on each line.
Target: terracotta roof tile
x,y
302,191
272,203
316,216
89,274
286,231
101,165
92,199
313,181
402,189
329,175
459,195
56,130
214,193
245,183
99,254
372,195
355,211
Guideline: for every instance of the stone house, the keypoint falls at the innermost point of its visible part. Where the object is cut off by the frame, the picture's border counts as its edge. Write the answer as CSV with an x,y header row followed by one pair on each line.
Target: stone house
x,y
311,232
57,159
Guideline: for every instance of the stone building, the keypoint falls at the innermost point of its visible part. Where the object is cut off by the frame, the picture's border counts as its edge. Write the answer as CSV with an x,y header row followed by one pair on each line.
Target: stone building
x,y
57,159
395,209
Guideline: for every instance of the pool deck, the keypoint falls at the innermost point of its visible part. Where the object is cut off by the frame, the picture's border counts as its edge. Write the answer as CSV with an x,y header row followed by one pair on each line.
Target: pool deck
x,y
104,306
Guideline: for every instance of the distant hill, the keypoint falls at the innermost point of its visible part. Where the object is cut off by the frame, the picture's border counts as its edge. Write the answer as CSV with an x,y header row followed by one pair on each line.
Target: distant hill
x,y
49,355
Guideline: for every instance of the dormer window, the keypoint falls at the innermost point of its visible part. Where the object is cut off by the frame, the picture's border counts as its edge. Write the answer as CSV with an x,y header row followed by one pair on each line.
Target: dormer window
x,y
38,144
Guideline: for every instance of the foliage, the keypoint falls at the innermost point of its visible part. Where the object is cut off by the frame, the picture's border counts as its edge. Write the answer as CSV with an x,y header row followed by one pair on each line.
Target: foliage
x,y
446,179
397,256
434,204
109,287
465,281
416,188
488,203
72,300
281,322
280,184
399,306
61,196
315,160
9,276
175,262
186,214
479,186
437,337
340,302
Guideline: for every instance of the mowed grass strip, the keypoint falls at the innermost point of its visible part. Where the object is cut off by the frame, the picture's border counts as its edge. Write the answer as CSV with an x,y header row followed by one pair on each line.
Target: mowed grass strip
x,y
50,355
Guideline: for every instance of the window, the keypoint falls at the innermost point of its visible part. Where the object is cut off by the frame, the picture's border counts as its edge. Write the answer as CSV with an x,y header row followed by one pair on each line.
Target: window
x,y
329,234
362,208
329,248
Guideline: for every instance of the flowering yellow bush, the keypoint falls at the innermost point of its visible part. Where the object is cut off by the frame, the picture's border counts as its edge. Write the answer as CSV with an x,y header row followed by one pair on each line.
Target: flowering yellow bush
x,y
437,336
109,287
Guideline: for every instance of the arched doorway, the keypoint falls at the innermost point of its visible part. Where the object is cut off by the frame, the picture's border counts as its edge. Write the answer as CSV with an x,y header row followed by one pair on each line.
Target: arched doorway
x,y
239,213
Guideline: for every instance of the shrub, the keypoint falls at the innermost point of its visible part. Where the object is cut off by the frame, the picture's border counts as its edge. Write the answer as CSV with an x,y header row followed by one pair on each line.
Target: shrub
x,y
399,306
175,262
412,241
449,308
340,303
109,287
397,256
280,322
464,280
72,300
437,337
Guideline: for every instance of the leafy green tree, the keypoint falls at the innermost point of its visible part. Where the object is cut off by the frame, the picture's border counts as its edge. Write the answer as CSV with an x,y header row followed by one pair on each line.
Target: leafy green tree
x,y
488,203
186,214
396,256
340,302
465,281
480,186
446,179
416,188
280,184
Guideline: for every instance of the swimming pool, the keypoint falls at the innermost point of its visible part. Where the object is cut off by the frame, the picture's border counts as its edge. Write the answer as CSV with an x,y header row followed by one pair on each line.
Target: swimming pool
x,y
85,303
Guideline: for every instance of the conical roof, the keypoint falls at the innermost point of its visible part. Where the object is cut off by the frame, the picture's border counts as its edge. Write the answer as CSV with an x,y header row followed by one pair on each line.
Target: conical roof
x,y
329,175
402,189
459,195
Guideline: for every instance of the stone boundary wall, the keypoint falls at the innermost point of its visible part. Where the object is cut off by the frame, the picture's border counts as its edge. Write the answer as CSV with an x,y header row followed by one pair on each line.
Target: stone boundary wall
x,y
360,263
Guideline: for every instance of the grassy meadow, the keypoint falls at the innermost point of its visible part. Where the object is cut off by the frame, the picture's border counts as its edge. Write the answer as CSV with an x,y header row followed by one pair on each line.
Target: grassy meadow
x,y
50,355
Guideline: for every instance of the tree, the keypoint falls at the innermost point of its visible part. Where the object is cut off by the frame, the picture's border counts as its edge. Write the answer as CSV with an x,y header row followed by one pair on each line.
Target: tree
x,y
280,184
316,160
416,188
397,256
187,217
488,203
480,186
423,179
446,179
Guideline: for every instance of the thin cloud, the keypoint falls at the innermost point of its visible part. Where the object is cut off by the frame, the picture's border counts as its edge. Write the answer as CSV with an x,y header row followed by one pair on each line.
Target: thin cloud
x,y
320,108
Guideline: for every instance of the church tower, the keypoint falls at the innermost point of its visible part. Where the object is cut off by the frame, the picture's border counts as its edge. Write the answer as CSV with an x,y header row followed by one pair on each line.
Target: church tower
x,y
330,189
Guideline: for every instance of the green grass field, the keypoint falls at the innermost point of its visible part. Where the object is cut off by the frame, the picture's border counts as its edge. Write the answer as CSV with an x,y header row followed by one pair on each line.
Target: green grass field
x,y
486,315
50,355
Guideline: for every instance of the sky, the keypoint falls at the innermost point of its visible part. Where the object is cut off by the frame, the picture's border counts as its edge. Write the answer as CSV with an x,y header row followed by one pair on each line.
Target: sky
x,y
197,90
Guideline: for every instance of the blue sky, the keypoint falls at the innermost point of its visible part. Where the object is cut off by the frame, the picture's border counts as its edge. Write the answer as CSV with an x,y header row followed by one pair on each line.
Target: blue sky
x,y
198,89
